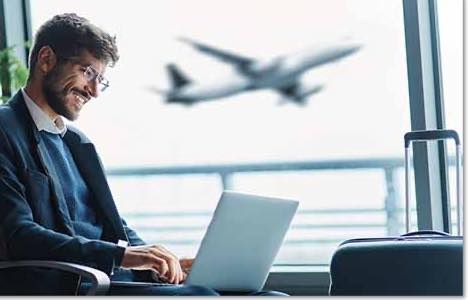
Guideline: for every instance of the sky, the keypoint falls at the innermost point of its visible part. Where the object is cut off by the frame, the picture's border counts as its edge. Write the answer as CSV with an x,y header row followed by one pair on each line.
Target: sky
x,y
362,112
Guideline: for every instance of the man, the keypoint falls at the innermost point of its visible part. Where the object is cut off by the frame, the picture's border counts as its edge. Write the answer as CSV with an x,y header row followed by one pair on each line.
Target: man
x,y
55,202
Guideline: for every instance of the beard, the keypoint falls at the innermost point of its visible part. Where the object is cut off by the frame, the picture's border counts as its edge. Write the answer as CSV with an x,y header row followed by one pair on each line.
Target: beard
x,y
55,95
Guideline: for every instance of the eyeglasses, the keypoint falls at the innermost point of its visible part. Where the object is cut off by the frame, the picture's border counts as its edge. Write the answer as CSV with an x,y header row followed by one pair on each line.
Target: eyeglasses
x,y
92,75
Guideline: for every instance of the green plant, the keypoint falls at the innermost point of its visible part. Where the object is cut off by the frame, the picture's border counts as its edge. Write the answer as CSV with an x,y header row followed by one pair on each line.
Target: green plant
x,y
13,73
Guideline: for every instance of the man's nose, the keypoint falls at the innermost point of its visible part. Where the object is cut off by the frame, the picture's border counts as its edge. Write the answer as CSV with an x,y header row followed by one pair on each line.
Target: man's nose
x,y
92,88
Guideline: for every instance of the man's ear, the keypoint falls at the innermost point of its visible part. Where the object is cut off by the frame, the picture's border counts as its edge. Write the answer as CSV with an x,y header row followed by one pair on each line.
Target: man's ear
x,y
46,59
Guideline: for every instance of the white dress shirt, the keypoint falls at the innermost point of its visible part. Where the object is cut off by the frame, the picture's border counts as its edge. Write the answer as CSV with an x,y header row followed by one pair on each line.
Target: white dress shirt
x,y
42,119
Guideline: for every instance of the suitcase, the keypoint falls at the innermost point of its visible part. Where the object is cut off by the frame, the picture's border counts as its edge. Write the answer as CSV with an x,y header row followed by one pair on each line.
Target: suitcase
x,y
416,263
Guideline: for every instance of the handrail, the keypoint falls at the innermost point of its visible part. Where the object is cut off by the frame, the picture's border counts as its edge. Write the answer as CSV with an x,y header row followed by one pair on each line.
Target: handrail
x,y
340,164
388,165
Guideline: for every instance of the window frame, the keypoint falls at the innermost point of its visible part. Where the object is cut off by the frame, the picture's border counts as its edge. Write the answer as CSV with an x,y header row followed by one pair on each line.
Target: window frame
x,y
426,95
15,26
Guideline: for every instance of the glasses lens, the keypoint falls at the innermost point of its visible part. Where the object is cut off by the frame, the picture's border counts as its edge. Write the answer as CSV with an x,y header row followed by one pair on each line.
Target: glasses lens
x,y
93,75
89,74
104,84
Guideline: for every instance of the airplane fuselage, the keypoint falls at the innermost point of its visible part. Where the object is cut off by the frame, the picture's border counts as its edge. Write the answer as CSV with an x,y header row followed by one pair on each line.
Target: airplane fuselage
x,y
289,68
276,73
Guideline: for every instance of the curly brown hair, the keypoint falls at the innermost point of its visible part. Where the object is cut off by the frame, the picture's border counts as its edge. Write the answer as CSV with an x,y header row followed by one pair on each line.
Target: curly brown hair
x,y
69,34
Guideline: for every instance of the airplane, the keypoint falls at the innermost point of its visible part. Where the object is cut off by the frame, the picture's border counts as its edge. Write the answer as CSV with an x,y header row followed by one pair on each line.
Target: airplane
x,y
281,74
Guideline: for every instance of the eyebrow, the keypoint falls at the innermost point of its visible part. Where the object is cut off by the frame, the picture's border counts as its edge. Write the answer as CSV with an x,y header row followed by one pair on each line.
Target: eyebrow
x,y
87,65
92,67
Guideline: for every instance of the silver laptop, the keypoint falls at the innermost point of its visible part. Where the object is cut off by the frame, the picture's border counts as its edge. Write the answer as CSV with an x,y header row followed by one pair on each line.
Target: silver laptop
x,y
241,242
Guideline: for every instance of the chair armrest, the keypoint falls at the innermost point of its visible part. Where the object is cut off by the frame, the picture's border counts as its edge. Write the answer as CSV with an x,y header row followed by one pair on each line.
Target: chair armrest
x,y
100,280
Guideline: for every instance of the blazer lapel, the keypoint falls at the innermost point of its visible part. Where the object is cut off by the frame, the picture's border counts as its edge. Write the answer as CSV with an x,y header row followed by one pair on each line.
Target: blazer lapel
x,y
57,191
91,169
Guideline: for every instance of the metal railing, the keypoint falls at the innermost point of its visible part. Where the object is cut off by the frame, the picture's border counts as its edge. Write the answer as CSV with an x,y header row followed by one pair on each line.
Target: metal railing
x,y
389,166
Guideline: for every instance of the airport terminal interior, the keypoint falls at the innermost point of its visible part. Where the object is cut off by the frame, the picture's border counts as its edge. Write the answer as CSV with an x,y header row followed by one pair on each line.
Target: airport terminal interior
x,y
304,100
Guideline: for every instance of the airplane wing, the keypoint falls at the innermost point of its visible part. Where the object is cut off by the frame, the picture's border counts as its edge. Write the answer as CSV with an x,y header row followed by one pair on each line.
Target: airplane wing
x,y
298,94
289,90
226,56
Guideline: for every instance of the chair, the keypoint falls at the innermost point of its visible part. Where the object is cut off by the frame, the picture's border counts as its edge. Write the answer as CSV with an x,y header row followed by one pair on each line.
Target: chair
x,y
99,280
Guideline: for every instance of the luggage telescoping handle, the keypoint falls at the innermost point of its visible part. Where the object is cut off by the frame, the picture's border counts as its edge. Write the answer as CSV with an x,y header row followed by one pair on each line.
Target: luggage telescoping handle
x,y
430,135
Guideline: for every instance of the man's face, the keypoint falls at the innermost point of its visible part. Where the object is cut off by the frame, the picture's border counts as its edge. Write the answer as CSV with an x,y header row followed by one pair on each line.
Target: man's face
x,y
67,89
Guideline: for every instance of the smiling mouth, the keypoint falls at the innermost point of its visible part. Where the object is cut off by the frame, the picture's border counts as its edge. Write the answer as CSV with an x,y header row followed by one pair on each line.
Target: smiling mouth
x,y
80,98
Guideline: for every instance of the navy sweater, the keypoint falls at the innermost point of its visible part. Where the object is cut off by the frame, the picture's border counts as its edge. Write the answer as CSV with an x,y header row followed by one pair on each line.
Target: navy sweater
x,y
78,198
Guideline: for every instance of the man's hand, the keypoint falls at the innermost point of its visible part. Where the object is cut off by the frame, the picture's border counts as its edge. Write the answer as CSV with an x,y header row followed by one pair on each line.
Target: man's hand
x,y
154,257
186,264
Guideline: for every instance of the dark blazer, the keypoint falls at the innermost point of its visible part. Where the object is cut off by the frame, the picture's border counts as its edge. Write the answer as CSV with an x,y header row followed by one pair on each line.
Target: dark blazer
x,y
34,220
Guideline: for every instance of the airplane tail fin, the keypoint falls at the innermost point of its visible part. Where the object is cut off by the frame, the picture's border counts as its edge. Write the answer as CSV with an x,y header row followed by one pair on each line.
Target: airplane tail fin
x,y
177,77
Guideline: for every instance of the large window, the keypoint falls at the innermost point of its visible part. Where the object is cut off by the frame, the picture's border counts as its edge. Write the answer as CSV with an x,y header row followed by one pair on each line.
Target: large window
x,y
340,154
450,19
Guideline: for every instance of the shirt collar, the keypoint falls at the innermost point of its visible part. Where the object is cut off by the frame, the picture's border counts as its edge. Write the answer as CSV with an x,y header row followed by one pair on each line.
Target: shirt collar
x,y
42,120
